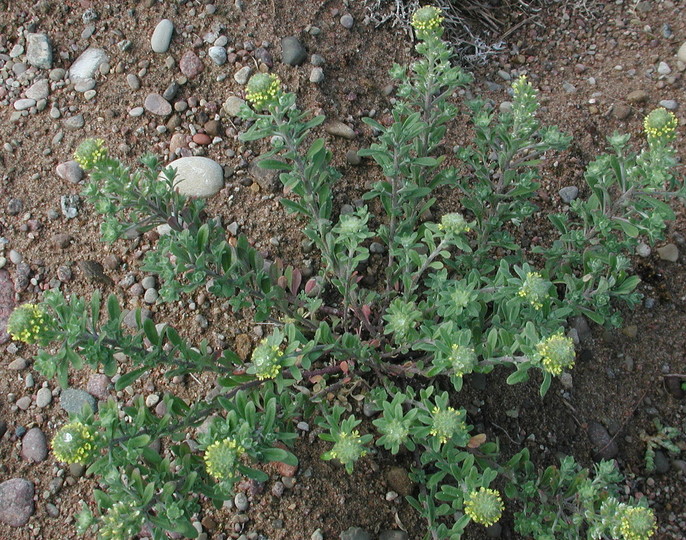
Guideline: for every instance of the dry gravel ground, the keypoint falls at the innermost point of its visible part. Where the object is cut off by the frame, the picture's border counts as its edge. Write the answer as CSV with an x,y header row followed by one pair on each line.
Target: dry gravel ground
x,y
599,70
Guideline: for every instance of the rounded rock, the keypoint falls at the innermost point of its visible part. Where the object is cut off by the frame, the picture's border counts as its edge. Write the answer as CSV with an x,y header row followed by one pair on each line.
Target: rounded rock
x,y
88,64
217,55
190,65
161,37
156,104
292,51
197,176
70,171
43,397
34,445
16,502
347,21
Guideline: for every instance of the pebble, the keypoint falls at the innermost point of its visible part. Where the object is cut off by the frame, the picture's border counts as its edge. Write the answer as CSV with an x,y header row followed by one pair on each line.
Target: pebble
x,y
24,402
242,75
136,111
568,88
34,446
637,96
171,91
16,502
69,204
347,21
23,104
15,257
72,400
317,60
681,53
232,105
352,157
217,55
150,296
190,65
156,104
621,111
669,104
88,64
241,502
339,129
668,252
292,51
569,193
663,68
264,56
43,397
84,85
74,122
197,176
39,51
394,535
661,462
152,400
643,250
130,317
133,81
355,533
39,90
399,481
316,75
98,385
605,446
161,37
18,364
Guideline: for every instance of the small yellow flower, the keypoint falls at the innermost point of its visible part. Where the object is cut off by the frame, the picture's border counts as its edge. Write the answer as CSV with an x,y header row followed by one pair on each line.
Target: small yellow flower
x,y
221,458
557,353
90,152
120,522
27,322
266,361
484,506
534,289
660,124
262,88
74,443
637,523
446,423
427,20
348,448
462,359
454,224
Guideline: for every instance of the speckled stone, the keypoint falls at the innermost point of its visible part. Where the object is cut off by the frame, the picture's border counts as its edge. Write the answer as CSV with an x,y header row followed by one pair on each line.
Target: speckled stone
x,y
197,176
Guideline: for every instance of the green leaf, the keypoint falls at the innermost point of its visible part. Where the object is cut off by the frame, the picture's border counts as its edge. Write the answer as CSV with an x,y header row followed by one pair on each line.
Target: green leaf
x,y
129,378
545,385
628,228
521,375
280,455
113,309
151,332
203,236
274,165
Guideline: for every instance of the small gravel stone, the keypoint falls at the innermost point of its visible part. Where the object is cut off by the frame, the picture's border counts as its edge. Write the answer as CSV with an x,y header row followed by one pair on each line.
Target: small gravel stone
x,y
669,104
232,105
292,51
72,400
87,65
34,446
98,385
39,51
569,193
339,129
316,75
605,446
241,502
637,96
161,37
130,317
74,122
133,81
24,402
394,535
663,68
242,75
217,55
150,296
39,90
643,250
152,400
156,104
347,21
136,111
355,533
190,65
43,397
621,111
668,252
70,171
16,502
70,205
23,104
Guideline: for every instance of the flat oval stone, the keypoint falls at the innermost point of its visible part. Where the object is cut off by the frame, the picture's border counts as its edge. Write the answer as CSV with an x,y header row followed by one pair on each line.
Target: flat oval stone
x,y
23,104
87,65
161,37
156,104
34,446
197,176
16,502
190,65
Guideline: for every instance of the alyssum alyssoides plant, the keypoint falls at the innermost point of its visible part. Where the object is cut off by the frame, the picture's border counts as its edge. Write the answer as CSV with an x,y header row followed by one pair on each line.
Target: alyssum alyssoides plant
x,y
454,297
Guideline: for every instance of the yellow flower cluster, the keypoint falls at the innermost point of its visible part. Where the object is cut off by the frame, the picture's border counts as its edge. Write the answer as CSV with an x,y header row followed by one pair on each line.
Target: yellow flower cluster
x,y
120,522
453,223
535,289
262,88
484,506
265,360
557,353
660,124
74,443
27,322
90,152
446,423
221,458
462,359
520,85
637,523
427,19
348,447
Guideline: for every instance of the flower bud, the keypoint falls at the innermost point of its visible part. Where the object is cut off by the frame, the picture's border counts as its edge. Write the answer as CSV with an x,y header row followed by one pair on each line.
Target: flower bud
x,y
262,88
426,21
660,124
221,459
557,353
90,152
484,506
28,323
266,361
534,289
348,448
446,423
454,224
637,523
74,443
